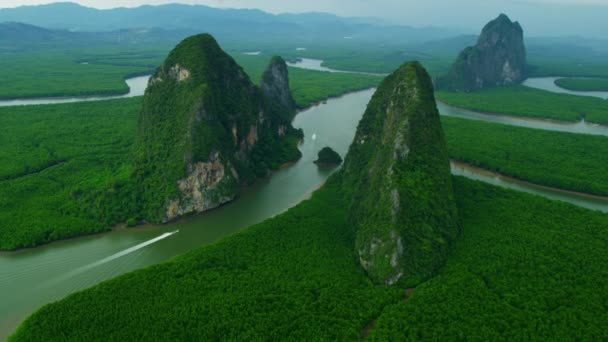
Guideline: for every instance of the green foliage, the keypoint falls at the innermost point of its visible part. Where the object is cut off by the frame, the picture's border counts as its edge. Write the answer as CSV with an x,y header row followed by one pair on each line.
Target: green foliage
x,y
314,86
210,115
52,73
564,160
583,84
525,269
53,159
529,102
309,86
65,169
328,156
398,171
482,65
584,64
290,277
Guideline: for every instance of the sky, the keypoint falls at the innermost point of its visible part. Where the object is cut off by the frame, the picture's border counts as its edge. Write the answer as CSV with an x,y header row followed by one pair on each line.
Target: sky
x,y
541,16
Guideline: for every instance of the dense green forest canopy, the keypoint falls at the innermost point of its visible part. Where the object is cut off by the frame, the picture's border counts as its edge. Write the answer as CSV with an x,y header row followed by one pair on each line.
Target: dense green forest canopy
x,y
568,161
295,276
530,102
59,162
583,84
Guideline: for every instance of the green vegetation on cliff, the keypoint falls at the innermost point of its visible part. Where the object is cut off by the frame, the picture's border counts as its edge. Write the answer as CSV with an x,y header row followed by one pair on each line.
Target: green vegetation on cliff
x,y
529,102
302,275
65,169
309,86
498,59
199,107
516,271
398,172
568,161
583,84
292,276
525,268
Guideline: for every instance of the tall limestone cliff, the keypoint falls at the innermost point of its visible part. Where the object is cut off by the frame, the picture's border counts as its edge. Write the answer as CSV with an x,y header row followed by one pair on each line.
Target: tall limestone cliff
x,y
205,128
397,173
275,87
498,59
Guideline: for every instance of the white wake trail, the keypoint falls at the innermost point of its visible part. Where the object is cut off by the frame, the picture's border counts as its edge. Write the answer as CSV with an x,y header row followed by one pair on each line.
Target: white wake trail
x,y
112,257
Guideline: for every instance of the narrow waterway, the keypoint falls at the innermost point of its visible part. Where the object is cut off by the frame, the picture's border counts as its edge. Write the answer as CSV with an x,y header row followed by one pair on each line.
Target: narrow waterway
x,y
591,202
317,64
580,127
137,87
32,278
548,84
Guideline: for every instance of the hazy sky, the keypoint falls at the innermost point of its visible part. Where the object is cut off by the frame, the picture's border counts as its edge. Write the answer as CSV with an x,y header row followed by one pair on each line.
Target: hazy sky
x,y
546,15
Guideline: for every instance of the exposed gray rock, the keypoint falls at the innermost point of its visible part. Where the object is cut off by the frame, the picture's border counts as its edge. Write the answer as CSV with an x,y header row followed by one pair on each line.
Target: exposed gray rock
x,y
399,182
205,128
275,84
204,188
498,59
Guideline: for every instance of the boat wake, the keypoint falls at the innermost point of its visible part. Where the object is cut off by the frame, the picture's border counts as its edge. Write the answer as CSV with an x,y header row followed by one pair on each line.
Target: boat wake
x,y
113,257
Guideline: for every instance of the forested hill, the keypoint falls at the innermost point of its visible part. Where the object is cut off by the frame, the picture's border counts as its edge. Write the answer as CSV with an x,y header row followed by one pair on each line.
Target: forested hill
x,y
301,276
205,126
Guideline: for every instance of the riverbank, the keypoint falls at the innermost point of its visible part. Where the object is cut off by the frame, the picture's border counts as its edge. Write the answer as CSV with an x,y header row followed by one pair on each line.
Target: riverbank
x,y
580,199
42,275
136,86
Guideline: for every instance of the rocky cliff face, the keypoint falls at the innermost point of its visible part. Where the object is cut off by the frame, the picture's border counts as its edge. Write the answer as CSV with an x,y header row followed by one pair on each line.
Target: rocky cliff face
x,y
398,174
275,85
205,128
498,59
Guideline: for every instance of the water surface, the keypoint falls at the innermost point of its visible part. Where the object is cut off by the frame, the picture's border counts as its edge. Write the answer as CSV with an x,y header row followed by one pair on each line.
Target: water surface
x,y
137,87
32,278
591,202
316,64
581,127
548,84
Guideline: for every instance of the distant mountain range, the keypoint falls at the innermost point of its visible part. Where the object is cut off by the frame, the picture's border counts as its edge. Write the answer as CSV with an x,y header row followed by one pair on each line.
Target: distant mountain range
x,y
225,24
69,24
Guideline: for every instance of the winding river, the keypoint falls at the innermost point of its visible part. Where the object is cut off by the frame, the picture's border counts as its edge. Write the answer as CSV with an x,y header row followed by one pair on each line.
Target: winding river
x,y
543,83
137,87
548,83
31,278
34,277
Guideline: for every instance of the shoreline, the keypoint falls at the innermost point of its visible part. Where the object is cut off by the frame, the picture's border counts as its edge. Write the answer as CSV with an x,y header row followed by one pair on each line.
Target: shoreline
x,y
476,169
122,226
520,117
333,97
84,95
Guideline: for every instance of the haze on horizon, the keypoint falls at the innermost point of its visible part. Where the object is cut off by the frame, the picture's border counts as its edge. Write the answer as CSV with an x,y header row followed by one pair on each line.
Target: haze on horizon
x,y
539,17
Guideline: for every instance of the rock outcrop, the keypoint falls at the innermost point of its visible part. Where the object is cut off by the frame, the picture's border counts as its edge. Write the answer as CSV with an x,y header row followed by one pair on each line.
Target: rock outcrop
x,y
205,129
275,85
327,156
397,175
498,59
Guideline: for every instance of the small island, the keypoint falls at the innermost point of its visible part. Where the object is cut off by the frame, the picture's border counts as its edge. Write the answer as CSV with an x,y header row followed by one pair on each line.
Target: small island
x,y
327,156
